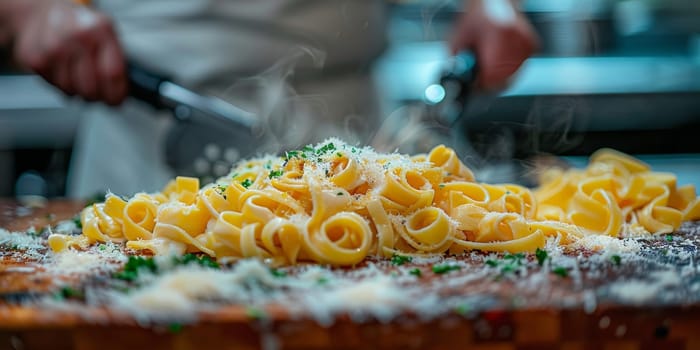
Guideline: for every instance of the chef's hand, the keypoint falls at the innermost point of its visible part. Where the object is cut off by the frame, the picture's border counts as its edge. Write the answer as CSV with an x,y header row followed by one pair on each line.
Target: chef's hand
x,y
72,46
499,35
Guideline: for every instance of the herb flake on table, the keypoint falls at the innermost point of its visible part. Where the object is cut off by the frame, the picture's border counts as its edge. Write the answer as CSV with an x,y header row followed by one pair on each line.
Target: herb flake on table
x,y
541,256
399,260
445,268
561,271
134,265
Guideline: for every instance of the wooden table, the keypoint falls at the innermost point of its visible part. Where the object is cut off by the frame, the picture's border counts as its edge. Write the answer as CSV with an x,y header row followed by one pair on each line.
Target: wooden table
x,y
673,324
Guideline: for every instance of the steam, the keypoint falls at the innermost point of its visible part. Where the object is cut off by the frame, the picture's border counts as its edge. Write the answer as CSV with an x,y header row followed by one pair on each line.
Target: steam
x,y
428,14
284,115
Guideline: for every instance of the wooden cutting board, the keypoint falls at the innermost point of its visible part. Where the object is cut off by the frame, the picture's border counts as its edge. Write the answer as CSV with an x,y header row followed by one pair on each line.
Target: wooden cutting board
x,y
513,318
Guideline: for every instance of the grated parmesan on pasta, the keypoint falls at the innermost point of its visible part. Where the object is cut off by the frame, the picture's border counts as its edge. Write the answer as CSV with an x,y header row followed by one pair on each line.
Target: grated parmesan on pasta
x,y
336,204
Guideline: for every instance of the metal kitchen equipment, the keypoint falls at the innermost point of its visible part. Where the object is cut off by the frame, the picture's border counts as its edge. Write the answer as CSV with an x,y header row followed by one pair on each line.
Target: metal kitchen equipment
x,y
207,126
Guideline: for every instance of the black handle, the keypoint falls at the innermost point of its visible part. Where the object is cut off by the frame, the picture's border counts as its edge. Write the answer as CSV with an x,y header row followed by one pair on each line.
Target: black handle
x,y
449,98
144,85
460,75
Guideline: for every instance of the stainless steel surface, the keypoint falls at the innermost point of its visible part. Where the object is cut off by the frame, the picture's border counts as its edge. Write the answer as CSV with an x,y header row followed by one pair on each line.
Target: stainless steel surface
x,y
208,106
34,114
407,69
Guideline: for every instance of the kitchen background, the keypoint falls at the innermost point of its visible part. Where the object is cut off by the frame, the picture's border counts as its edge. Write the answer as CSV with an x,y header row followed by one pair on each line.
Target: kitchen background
x,y
621,74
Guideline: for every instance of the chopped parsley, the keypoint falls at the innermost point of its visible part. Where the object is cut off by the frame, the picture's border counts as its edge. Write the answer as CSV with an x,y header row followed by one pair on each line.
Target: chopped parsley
x,y
69,293
246,183
616,259
541,256
441,185
508,264
325,149
322,280
669,238
399,260
463,309
445,268
134,265
255,313
560,271
77,222
278,273
339,193
203,260
175,328
340,155
415,272
275,173
234,175
516,257
221,189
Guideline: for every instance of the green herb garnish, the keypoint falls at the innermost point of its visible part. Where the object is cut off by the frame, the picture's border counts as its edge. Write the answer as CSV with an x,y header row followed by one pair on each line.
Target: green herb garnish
x,y
69,293
415,272
134,265
616,259
203,260
175,328
463,309
221,189
246,183
325,149
561,271
508,264
399,260
77,222
541,256
278,273
669,238
518,256
339,193
275,173
445,268
255,313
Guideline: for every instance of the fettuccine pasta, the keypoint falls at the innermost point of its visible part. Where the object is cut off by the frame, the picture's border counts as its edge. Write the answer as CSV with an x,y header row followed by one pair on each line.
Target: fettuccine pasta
x,y
337,204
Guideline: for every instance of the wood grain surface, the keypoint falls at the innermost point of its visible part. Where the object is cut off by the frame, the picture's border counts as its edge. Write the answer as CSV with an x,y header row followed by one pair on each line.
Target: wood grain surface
x,y
538,324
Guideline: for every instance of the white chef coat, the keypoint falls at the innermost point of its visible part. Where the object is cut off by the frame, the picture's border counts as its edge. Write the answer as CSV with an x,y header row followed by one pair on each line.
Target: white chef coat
x,y
302,65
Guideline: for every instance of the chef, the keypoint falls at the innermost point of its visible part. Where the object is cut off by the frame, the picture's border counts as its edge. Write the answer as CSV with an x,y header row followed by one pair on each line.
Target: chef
x,y
302,66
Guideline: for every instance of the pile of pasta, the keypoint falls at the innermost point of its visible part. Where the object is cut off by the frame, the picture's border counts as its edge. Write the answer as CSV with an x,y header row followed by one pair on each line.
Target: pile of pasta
x,y
333,203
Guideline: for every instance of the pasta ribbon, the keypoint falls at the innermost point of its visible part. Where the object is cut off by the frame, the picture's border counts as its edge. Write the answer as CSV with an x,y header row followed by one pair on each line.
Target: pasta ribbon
x,y
336,204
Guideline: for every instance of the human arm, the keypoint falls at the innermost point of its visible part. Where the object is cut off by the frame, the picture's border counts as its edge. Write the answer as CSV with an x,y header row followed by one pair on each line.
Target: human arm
x,y
71,46
499,35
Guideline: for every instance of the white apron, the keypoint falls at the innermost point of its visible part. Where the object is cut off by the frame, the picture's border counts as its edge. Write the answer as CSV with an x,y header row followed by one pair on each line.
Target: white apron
x,y
301,65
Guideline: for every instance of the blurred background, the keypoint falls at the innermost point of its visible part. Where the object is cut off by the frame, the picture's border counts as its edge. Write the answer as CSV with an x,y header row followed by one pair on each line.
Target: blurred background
x,y
610,73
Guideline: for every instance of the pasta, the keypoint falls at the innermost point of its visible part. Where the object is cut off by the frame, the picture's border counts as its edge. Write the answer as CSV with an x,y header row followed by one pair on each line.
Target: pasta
x,y
337,204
